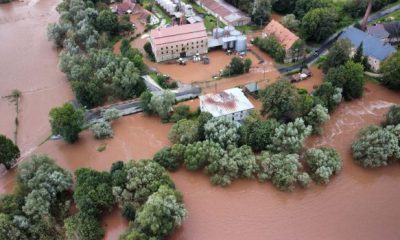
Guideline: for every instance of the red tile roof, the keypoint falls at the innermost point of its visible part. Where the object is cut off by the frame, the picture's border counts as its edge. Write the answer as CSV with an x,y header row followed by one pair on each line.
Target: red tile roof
x,y
285,37
178,33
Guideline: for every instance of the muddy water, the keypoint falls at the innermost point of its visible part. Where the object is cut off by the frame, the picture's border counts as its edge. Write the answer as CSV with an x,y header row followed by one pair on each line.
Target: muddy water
x,y
314,81
28,62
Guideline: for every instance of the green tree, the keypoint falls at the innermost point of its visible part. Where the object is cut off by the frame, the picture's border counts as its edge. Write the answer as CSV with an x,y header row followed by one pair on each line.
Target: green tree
x,y
83,227
162,104
377,146
165,158
67,121
304,6
261,11
184,132
107,21
199,154
222,130
258,134
9,152
391,71
202,120
317,116
393,116
323,163
304,180
318,24
102,130
328,95
281,169
180,112
8,230
145,99
162,213
149,50
358,56
284,6
290,22
338,55
272,47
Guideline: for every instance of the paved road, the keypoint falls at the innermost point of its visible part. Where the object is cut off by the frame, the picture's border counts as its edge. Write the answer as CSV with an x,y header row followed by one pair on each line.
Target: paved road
x,y
329,42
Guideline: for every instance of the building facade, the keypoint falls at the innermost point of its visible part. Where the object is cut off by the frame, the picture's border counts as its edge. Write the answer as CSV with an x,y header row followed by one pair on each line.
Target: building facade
x,y
231,103
179,41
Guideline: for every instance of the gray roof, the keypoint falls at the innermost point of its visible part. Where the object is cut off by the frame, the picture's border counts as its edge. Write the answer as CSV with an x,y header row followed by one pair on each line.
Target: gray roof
x,y
378,31
393,29
372,46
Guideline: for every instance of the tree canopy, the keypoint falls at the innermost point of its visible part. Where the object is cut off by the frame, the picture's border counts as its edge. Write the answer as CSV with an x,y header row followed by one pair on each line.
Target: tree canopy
x,y
9,152
67,121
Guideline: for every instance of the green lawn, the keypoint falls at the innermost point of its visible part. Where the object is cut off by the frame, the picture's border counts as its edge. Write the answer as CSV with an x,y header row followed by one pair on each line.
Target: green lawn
x,y
391,17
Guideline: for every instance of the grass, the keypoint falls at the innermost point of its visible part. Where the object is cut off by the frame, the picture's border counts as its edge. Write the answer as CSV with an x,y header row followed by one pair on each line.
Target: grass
x,y
395,16
246,28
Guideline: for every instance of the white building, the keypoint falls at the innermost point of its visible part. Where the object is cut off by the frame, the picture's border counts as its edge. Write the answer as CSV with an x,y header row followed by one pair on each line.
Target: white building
x,y
231,103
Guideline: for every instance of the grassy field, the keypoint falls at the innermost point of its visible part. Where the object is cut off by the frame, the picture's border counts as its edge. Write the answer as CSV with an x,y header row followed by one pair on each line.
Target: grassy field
x,y
210,22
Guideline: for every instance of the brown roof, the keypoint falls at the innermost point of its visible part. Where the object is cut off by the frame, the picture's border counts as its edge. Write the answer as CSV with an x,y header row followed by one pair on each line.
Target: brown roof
x,y
178,33
285,37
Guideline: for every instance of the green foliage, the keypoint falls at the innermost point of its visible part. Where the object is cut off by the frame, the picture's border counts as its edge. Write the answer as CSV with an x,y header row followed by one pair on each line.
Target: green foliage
x,y
149,50
237,66
162,213
290,22
261,11
145,99
304,6
280,100
67,122
143,179
393,116
83,227
111,114
272,47
289,138
317,116
377,146
284,6
162,104
199,154
9,152
184,132
304,180
133,54
180,112
318,24
222,130
8,230
258,134
235,163
107,21
338,55
391,71
165,158
93,192
328,95
281,169
202,120
349,77
102,130
323,163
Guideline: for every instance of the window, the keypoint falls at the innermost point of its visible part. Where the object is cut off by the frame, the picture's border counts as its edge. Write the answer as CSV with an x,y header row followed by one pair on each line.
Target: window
x,y
166,47
162,49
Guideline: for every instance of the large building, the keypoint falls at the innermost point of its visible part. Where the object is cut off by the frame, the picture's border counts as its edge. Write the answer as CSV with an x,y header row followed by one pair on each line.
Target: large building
x,y
231,103
386,32
374,49
225,12
285,37
179,41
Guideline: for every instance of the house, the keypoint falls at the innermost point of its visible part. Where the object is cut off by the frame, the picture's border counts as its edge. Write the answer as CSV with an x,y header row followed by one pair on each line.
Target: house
x,y
225,12
179,41
374,49
386,32
231,103
285,37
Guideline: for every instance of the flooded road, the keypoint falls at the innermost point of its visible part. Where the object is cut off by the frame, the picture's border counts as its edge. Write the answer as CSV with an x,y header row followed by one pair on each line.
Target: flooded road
x,y
28,62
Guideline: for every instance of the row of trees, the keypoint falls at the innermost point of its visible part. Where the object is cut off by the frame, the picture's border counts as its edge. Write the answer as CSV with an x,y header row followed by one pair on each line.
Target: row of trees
x,y
272,47
225,150
378,146
95,72
237,66
39,206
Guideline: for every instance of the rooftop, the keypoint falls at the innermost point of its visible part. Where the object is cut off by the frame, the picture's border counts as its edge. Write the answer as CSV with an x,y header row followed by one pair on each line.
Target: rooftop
x,y
226,102
224,10
372,46
285,37
393,28
178,33
378,31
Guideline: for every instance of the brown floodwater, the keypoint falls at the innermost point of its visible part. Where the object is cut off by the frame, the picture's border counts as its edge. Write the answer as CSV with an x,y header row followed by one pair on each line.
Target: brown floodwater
x,y
357,204
28,62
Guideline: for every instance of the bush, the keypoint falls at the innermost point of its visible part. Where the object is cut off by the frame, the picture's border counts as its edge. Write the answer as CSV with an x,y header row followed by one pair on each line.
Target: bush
x,y
111,114
272,47
281,169
377,146
393,116
148,49
391,71
323,163
9,152
83,227
102,129
222,130
184,132
258,134
180,112
67,122
199,154
304,180
165,158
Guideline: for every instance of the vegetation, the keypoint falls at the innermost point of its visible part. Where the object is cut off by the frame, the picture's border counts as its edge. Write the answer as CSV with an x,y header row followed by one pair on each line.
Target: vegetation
x,y
167,159
318,24
222,130
162,105
147,48
393,116
102,129
328,95
39,204
184,132
391,71
237,66
291,22
9,152
338,55
272,47
67,121
259,10
323,163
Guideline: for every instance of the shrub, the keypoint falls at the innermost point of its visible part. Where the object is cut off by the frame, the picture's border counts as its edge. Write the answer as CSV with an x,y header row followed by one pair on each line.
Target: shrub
x,y
184,132
222,130
111,114
9,152
67,122
393,116
180,112
323,163
199,154
304,180
165,158
102,129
